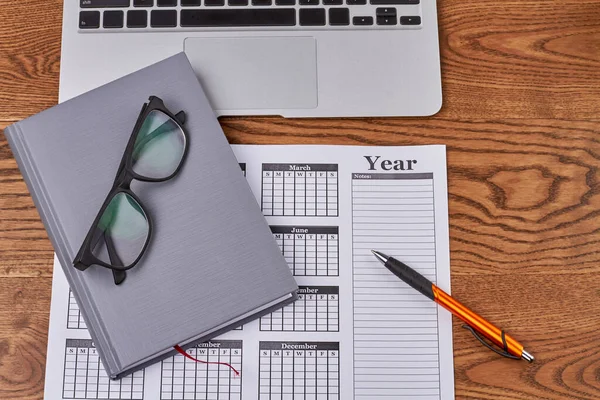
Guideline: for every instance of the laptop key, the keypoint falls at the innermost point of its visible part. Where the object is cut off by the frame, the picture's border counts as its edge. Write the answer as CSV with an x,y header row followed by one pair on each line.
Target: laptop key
x,y
410,20
239,17
163,18
339,16
309,2
312,16
103,3
214,3
386,12
356,2
236,3
333,2
113,19
387,20
285,2
137,19
89,19
166,3
362,20
262,2
143,3
190,3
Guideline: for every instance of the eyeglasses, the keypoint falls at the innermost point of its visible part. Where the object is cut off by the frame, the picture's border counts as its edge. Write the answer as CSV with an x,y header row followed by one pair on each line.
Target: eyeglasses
x,y
120,234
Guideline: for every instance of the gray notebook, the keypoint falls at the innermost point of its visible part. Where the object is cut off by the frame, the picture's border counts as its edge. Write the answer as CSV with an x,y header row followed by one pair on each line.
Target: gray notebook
x,y
212,262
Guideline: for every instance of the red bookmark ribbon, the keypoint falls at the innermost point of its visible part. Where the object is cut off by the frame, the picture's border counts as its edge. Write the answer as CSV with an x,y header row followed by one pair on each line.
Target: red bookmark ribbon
x,y
183,353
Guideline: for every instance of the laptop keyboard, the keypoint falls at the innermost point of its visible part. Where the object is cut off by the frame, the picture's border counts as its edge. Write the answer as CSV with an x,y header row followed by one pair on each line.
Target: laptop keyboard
x,y
136,15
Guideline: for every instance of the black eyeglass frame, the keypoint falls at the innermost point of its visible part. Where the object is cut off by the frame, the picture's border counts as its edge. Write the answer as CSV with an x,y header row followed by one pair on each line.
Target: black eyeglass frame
x,y
125,175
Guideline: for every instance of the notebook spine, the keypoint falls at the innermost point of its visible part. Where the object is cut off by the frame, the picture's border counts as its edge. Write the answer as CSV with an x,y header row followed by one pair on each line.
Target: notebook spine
x,y
15,138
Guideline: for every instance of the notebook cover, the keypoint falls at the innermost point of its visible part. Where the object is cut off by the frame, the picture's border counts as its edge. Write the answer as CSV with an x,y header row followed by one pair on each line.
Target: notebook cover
x,y
212,257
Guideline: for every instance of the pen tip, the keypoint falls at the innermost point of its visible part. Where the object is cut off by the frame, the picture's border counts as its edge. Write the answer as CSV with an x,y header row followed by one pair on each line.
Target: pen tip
x,y
380,256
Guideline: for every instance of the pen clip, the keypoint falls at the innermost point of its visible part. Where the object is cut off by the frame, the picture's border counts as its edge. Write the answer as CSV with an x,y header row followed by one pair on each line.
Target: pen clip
x,y
504,352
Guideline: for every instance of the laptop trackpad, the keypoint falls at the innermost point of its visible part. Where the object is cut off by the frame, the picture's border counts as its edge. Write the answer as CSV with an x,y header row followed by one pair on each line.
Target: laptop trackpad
x,y
243,73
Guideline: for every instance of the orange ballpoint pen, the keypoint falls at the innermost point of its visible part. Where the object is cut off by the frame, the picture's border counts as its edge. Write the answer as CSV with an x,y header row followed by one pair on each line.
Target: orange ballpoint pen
x,y
475,323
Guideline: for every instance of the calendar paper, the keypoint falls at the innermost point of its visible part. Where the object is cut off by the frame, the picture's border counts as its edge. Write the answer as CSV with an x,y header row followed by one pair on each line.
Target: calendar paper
x,y
356,331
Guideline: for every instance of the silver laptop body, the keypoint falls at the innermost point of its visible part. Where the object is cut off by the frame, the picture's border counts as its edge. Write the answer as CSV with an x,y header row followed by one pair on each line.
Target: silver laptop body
x,y
294,58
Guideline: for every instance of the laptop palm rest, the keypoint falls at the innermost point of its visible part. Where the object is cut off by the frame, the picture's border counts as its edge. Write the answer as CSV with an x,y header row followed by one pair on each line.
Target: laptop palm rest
x,y
242,73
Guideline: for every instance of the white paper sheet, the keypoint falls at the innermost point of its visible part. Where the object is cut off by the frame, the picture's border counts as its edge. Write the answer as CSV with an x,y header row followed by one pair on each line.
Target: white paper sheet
x,y
357,331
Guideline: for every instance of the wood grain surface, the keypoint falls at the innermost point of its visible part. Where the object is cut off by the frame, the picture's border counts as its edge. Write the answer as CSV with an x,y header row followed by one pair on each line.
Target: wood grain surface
x,y
521,120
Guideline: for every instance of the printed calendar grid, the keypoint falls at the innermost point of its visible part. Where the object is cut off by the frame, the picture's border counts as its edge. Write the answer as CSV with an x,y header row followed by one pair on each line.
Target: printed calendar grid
x,y
299,371
74,318
85,377
300,189
182,378
309,250
316,310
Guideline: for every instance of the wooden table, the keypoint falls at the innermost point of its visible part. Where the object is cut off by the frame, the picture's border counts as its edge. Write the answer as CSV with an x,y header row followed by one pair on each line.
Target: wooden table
x,y
521,120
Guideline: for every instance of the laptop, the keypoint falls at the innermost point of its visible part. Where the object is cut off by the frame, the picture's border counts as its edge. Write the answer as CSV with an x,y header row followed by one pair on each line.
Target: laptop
x,y
292,58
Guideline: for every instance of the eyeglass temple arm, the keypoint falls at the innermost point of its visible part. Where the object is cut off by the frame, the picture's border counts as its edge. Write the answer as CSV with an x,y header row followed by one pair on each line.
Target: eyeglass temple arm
x,y
131,141
118,276
94,237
